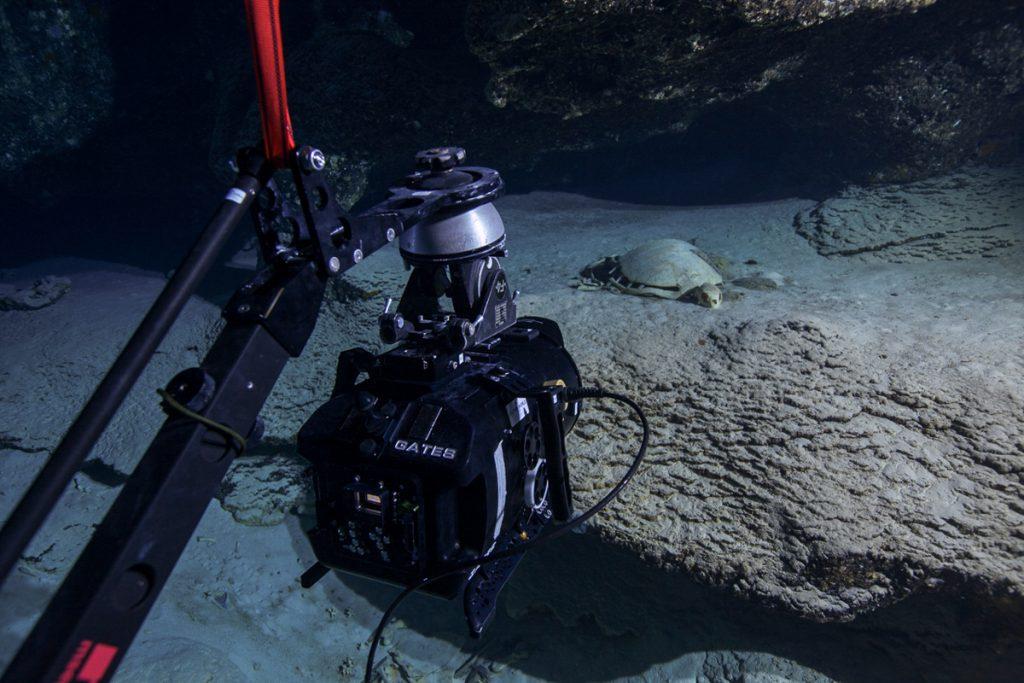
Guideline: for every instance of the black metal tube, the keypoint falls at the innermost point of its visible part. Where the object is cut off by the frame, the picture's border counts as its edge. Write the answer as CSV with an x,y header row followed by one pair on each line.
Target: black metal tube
x,y
49,484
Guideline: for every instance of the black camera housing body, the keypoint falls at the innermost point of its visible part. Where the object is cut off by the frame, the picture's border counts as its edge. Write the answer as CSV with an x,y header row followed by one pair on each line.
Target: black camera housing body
x,y
437,457
450,446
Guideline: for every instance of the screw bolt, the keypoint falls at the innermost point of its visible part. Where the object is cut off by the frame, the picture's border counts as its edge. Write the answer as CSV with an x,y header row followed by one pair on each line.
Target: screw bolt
x,y
334,264
357,255
390,234
312,159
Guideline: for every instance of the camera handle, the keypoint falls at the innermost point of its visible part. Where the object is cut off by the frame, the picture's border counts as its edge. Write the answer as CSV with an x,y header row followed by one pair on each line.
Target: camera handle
x,y
550,403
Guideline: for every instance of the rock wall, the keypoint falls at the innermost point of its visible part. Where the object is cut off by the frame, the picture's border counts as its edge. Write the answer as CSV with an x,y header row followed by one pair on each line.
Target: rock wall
x,y
975,212
877,89
860,90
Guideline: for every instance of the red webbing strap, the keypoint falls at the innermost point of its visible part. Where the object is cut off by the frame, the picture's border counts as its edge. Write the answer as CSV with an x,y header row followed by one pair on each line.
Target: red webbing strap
x,y
264,20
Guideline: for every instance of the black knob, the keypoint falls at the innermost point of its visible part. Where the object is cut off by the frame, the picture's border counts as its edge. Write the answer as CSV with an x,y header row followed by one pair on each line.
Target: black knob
x,y
439,159
365,400
192,388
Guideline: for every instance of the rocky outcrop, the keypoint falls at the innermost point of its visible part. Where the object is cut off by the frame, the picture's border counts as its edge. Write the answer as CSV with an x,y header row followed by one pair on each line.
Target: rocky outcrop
x,y
974,213
864,90
40,294
873,89
262,490
848,481
57,79
788,94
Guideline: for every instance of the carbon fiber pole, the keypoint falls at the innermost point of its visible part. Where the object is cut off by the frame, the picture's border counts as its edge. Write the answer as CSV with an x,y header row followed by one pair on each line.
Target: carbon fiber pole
x,y
78,442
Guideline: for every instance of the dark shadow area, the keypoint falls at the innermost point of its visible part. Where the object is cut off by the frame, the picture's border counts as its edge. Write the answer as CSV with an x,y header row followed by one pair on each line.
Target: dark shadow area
x,y
139,189
585,611
734,155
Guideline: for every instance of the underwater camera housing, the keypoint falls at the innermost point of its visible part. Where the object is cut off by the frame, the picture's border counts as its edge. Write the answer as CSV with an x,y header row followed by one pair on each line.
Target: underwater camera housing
x,y
441,449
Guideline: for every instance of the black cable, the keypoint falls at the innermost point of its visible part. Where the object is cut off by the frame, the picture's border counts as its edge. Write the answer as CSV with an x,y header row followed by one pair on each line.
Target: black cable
x,y
555,532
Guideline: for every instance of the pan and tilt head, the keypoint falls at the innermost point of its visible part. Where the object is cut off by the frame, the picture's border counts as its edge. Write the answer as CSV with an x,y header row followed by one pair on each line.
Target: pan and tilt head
x,y
453,253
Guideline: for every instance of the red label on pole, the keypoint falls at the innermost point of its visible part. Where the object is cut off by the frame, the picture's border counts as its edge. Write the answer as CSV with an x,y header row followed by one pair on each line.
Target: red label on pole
x,y
76,659
95,667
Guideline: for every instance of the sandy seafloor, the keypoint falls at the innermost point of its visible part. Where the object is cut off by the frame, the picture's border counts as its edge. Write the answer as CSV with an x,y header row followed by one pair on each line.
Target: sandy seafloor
x,y
233,610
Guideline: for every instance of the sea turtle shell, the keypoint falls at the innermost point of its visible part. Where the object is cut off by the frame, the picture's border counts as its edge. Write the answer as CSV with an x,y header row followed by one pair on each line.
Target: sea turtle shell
x,y
666,268
670,264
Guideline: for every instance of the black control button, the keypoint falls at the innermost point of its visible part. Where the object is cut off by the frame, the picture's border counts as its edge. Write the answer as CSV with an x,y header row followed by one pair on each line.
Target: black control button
x,y
365,400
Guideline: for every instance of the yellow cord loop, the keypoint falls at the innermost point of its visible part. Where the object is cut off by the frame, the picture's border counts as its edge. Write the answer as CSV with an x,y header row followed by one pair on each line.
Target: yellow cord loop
x,y
237,440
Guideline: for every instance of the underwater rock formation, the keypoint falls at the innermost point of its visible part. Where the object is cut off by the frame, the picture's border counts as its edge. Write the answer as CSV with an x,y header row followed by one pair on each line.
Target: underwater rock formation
x,y
261,490
975,212
863,90
49,50
793,467
898,89
858,90
827,447
41,293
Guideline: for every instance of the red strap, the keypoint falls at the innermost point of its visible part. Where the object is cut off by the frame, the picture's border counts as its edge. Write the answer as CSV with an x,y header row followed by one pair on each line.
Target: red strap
x,y
265,34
